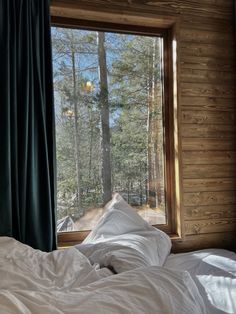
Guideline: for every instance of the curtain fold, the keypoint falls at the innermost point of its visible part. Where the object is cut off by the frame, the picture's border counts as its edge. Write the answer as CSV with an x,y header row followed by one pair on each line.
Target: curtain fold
x,y
235,18
27,139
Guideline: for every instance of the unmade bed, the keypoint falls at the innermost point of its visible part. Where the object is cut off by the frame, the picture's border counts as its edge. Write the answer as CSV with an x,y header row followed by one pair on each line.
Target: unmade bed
x,y
123,266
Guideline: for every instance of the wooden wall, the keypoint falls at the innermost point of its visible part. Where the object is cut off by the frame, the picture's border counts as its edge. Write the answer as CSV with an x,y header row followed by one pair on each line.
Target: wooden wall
x,y
207,112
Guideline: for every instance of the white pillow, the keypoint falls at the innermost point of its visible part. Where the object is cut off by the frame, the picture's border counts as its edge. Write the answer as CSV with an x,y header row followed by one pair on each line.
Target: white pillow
x,y
115,256
124,240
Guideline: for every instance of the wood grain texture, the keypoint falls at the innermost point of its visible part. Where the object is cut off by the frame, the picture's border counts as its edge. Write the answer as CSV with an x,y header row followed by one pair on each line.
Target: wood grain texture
x,y
209,198
210,226
215,104
206,50
189,7
201,171
207,90
208,117
206,37
164,7
221,158
219,131
209,184
115,12
224,240
203,76
206,24
207,63
209,212
206,144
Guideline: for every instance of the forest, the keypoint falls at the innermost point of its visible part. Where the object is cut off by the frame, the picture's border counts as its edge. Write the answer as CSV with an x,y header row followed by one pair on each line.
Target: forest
x,y
108,98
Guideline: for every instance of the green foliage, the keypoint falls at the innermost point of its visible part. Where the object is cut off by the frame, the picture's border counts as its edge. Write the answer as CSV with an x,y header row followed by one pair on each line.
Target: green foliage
x,y
130,68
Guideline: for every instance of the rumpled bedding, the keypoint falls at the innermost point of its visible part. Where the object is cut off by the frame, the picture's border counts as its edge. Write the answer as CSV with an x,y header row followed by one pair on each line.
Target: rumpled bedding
x,y
123,240
214,272
124,266
64,281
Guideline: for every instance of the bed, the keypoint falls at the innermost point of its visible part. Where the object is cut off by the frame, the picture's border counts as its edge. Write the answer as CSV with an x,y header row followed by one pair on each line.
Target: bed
x,y
123,266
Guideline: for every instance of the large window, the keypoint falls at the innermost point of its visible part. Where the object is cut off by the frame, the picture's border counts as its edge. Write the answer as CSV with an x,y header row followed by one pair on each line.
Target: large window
x,y
113,122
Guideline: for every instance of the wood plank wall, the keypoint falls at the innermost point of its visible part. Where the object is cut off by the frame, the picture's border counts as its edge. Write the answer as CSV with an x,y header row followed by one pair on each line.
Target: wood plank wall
x,y
207,103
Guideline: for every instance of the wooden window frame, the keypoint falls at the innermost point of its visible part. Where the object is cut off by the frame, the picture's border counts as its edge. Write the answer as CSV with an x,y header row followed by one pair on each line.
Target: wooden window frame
x,y
68,14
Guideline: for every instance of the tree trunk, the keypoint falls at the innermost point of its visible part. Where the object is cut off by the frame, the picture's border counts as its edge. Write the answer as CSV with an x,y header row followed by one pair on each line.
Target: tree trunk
x,y
90,144
104,113
76,133
152,129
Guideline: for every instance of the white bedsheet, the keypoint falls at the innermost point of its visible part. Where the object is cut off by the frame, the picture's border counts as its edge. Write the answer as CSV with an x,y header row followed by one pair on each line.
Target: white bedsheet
x,y
22,267
214,272
65,282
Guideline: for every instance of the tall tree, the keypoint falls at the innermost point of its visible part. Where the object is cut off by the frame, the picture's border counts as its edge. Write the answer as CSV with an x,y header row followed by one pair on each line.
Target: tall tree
x,y
105,123
151,128
155,127
138,72
70,46
76,127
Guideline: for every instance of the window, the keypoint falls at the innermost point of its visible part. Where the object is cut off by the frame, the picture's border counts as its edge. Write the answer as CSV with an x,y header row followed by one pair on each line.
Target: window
x,y
114,122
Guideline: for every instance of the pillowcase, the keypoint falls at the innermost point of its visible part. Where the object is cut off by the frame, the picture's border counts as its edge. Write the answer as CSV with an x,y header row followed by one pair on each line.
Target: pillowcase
x,y
123,240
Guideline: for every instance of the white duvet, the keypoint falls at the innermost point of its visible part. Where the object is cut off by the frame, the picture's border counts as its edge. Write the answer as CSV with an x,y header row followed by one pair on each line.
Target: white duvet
x,y
35,282
214,272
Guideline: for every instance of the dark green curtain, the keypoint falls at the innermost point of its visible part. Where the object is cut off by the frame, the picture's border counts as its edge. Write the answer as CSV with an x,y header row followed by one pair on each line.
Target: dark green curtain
x,y
235,18
27,143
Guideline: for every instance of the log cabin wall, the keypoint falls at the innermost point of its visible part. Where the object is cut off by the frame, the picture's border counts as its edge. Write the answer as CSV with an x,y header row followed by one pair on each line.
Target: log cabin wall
x,y
207,110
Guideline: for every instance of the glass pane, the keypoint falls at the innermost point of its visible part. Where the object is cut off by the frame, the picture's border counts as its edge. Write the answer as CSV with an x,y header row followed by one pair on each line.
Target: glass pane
x,y
109,124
